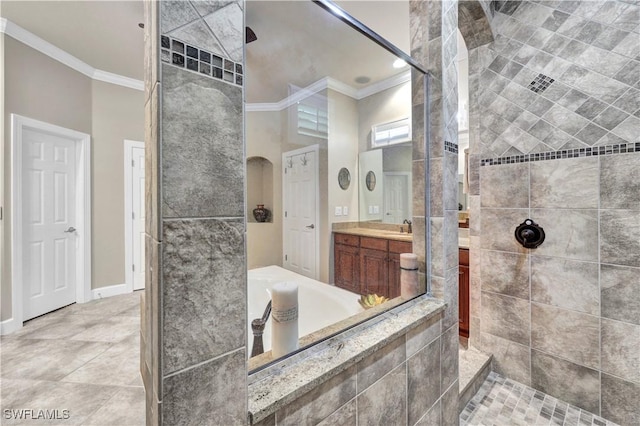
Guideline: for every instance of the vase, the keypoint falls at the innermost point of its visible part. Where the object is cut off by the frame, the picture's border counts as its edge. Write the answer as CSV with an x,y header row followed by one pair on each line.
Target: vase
x,y
261,213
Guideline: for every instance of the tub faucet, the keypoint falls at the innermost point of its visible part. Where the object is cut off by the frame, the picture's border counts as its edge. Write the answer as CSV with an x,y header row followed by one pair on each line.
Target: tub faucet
x,y
408,222
257,327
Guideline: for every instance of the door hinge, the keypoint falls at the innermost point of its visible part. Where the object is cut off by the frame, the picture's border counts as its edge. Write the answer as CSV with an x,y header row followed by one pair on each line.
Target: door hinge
x,y
285,214
1,213
286,257
133,215
285,171
133,267
133,163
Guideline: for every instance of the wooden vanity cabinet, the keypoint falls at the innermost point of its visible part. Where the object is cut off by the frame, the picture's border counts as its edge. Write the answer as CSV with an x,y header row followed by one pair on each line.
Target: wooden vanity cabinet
x,y
374,266
366,265
347,262
463,292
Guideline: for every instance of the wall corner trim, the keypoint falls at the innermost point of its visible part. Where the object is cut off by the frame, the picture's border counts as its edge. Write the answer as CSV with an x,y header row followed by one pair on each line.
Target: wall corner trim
x,y
109,291
23,36
9,326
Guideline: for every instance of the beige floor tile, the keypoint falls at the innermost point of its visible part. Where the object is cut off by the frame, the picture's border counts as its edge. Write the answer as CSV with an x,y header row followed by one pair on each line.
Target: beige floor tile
x,y
80,400
111,330
125,408
117,366
46,359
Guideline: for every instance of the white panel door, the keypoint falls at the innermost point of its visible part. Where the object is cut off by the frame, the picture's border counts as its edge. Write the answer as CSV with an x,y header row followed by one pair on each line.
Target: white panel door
x,y
300,213
396,198
49,210
138,217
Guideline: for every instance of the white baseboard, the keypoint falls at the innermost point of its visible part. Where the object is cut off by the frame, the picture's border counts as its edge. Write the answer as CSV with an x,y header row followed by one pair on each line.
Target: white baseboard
x,y
108,291
9,326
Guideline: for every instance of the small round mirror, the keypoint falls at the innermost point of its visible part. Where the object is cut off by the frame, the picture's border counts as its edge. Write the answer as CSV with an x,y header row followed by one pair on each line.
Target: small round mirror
x,y
371,181
344,178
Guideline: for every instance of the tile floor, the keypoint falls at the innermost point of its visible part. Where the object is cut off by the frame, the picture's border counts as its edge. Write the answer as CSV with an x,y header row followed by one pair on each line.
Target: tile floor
x,y
501,401
83,358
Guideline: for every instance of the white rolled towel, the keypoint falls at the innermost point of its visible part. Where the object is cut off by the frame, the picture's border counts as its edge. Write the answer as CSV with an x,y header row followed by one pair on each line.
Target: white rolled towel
x,y
284,314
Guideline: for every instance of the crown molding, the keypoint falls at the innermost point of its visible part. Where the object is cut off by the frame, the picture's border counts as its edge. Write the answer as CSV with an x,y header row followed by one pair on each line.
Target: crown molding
x,y
23,36
385,84
333,84
120,80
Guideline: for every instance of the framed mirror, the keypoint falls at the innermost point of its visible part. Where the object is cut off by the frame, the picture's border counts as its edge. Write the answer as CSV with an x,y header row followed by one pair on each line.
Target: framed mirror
x,y
315,126
344,178
370,180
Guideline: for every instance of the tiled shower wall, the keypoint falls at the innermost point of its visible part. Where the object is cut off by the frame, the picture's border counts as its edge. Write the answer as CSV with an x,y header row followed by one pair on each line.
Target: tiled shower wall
x,y
194,330
558,92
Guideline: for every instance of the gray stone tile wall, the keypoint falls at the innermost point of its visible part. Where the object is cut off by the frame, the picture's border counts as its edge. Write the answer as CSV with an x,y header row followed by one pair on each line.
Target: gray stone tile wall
x,y
590,53
194,340
399,384
580,277
580,317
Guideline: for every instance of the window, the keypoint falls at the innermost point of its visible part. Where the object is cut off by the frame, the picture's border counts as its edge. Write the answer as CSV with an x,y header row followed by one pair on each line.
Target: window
x,y
391,133
312,120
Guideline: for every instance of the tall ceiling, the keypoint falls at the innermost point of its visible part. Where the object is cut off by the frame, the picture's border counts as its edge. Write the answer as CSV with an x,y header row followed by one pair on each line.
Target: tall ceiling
x,y
300,43
103,34
297,41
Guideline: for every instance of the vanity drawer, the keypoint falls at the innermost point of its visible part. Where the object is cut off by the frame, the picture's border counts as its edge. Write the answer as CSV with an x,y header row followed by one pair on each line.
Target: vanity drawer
x,y
400,247
373,243
348,240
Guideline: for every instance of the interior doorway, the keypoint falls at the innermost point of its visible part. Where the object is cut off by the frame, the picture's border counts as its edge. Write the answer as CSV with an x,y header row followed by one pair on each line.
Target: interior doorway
x,y
134,214
300,199
51,218
396,195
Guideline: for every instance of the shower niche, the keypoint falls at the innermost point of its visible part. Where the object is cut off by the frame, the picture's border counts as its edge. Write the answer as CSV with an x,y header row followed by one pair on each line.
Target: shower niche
x,y
259,190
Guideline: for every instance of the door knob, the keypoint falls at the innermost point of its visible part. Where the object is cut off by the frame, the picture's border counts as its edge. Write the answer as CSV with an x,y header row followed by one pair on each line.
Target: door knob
x,y
71,229
312,226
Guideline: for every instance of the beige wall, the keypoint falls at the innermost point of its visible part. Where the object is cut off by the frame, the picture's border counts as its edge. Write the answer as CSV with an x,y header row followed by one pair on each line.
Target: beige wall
x,y
41,88
382,107
343,152
264,139
117,114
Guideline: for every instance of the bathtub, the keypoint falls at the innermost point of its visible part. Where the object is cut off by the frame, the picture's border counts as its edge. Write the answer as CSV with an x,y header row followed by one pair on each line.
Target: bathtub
x,y
319,304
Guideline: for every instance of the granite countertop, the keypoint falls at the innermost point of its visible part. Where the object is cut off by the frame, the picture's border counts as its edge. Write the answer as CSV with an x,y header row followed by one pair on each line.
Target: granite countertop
x,y
285,383
376,233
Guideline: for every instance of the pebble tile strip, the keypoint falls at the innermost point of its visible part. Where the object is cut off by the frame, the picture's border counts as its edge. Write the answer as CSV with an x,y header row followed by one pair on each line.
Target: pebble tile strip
x,y
501,402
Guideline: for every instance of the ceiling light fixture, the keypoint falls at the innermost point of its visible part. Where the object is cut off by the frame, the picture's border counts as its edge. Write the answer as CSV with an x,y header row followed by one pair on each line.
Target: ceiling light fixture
x,y
399,63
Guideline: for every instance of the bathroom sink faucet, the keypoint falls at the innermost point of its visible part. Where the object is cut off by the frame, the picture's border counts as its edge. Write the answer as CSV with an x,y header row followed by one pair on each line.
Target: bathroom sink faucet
x,y
408,222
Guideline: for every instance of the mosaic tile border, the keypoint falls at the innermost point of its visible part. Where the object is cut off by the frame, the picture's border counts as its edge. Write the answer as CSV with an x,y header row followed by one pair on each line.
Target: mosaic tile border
x,y
540,83
451,147
502,401
183,55
623,148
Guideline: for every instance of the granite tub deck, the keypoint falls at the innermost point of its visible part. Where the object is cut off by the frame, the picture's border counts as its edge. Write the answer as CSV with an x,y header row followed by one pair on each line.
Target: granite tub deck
x,y
378,348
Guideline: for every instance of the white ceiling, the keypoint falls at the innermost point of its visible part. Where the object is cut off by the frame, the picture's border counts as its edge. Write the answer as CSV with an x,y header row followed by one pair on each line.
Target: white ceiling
x,y
299,43
103,34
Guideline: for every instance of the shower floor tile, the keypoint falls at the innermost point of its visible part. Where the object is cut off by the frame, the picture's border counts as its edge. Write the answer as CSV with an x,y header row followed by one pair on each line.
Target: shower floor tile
x,y
502,402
